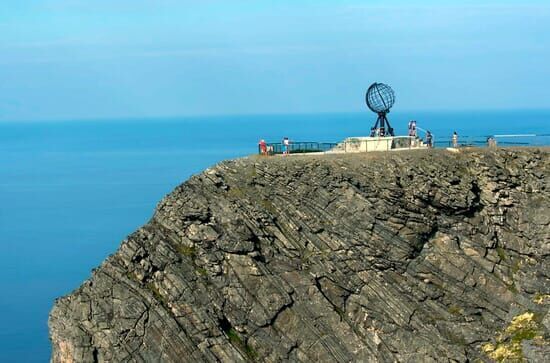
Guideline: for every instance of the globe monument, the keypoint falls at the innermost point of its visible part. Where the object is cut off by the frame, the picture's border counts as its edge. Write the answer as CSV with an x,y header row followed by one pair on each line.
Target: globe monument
x,y
380,99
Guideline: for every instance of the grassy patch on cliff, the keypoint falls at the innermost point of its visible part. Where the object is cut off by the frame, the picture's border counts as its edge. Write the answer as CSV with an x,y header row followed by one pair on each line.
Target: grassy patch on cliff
x,y
237,341
156,293
188,251
455,310
241,345
236,193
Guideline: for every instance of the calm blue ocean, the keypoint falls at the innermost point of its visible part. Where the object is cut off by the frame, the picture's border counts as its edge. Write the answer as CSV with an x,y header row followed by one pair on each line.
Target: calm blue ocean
x,y
71,191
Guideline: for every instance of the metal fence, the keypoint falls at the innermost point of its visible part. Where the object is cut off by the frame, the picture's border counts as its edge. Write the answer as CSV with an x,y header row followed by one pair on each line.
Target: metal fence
x,y
301,147
501,140
410,142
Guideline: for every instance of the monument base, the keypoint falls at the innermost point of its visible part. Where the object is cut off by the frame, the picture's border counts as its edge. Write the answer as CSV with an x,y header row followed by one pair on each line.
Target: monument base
x,y
376,143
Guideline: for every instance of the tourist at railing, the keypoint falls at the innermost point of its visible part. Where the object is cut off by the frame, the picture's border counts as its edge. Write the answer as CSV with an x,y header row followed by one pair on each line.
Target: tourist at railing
x,y
491,142
412,128
263,147
455,139
286,146
429,139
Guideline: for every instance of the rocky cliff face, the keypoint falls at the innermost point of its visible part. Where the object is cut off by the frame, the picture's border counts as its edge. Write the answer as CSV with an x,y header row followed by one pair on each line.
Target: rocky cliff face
x,y
402,256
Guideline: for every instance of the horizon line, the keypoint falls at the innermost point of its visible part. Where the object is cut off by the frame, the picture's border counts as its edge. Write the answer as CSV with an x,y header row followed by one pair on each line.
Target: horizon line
x,y
257,114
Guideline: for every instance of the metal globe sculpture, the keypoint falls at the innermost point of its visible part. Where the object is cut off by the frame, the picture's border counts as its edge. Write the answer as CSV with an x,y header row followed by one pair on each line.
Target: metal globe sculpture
x,y
380,99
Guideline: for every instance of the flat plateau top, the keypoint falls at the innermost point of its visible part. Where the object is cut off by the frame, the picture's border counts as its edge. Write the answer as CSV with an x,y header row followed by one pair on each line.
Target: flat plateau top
x,y
409,155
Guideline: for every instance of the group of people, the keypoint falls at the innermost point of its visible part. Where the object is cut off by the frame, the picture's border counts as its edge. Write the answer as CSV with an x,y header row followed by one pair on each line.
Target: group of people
x,y
429,136
381,131
429,139
266,149
413,133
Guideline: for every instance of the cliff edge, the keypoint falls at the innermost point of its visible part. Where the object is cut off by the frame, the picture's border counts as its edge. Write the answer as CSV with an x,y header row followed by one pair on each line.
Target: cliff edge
x,y
401,256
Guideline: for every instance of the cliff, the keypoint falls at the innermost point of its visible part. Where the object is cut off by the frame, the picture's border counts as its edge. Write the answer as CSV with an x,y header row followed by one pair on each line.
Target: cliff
x,y
400,256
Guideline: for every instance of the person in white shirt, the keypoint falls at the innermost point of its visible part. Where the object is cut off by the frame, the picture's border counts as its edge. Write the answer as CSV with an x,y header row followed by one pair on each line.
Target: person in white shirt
x,y
286,146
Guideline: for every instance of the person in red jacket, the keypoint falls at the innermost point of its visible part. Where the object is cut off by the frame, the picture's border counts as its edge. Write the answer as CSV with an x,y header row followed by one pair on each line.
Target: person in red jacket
x,y
263,147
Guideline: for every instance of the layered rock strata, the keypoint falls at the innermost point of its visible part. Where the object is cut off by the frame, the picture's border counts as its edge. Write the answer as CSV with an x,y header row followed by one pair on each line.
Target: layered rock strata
x,y
401,256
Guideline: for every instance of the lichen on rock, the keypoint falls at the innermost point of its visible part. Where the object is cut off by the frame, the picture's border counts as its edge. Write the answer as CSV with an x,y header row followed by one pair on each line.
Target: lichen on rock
x,y
523,329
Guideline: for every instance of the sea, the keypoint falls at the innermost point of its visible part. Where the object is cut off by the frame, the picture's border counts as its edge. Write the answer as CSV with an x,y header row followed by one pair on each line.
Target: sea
x,y
71,191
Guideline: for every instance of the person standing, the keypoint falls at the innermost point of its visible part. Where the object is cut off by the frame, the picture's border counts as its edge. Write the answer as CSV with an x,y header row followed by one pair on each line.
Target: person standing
x,y
455,139
429,139
286,146
263,147
412,128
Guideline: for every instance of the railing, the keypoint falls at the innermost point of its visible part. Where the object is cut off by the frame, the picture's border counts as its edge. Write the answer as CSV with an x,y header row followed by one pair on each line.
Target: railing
x,y
407,142
298,147
500,140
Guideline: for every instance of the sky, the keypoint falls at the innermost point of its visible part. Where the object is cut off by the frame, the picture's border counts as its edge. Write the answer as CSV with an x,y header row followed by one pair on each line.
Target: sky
x,y
82,59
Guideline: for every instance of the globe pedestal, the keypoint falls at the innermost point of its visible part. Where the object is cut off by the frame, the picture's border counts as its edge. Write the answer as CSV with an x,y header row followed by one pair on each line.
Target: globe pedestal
x,y
382,126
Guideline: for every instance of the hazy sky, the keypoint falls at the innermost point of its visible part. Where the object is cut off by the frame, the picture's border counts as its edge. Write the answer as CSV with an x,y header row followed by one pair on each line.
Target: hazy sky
x,y
71,59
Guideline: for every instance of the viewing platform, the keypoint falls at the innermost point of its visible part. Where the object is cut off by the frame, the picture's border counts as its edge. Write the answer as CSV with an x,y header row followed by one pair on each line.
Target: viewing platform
x,y
349,145
396,143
